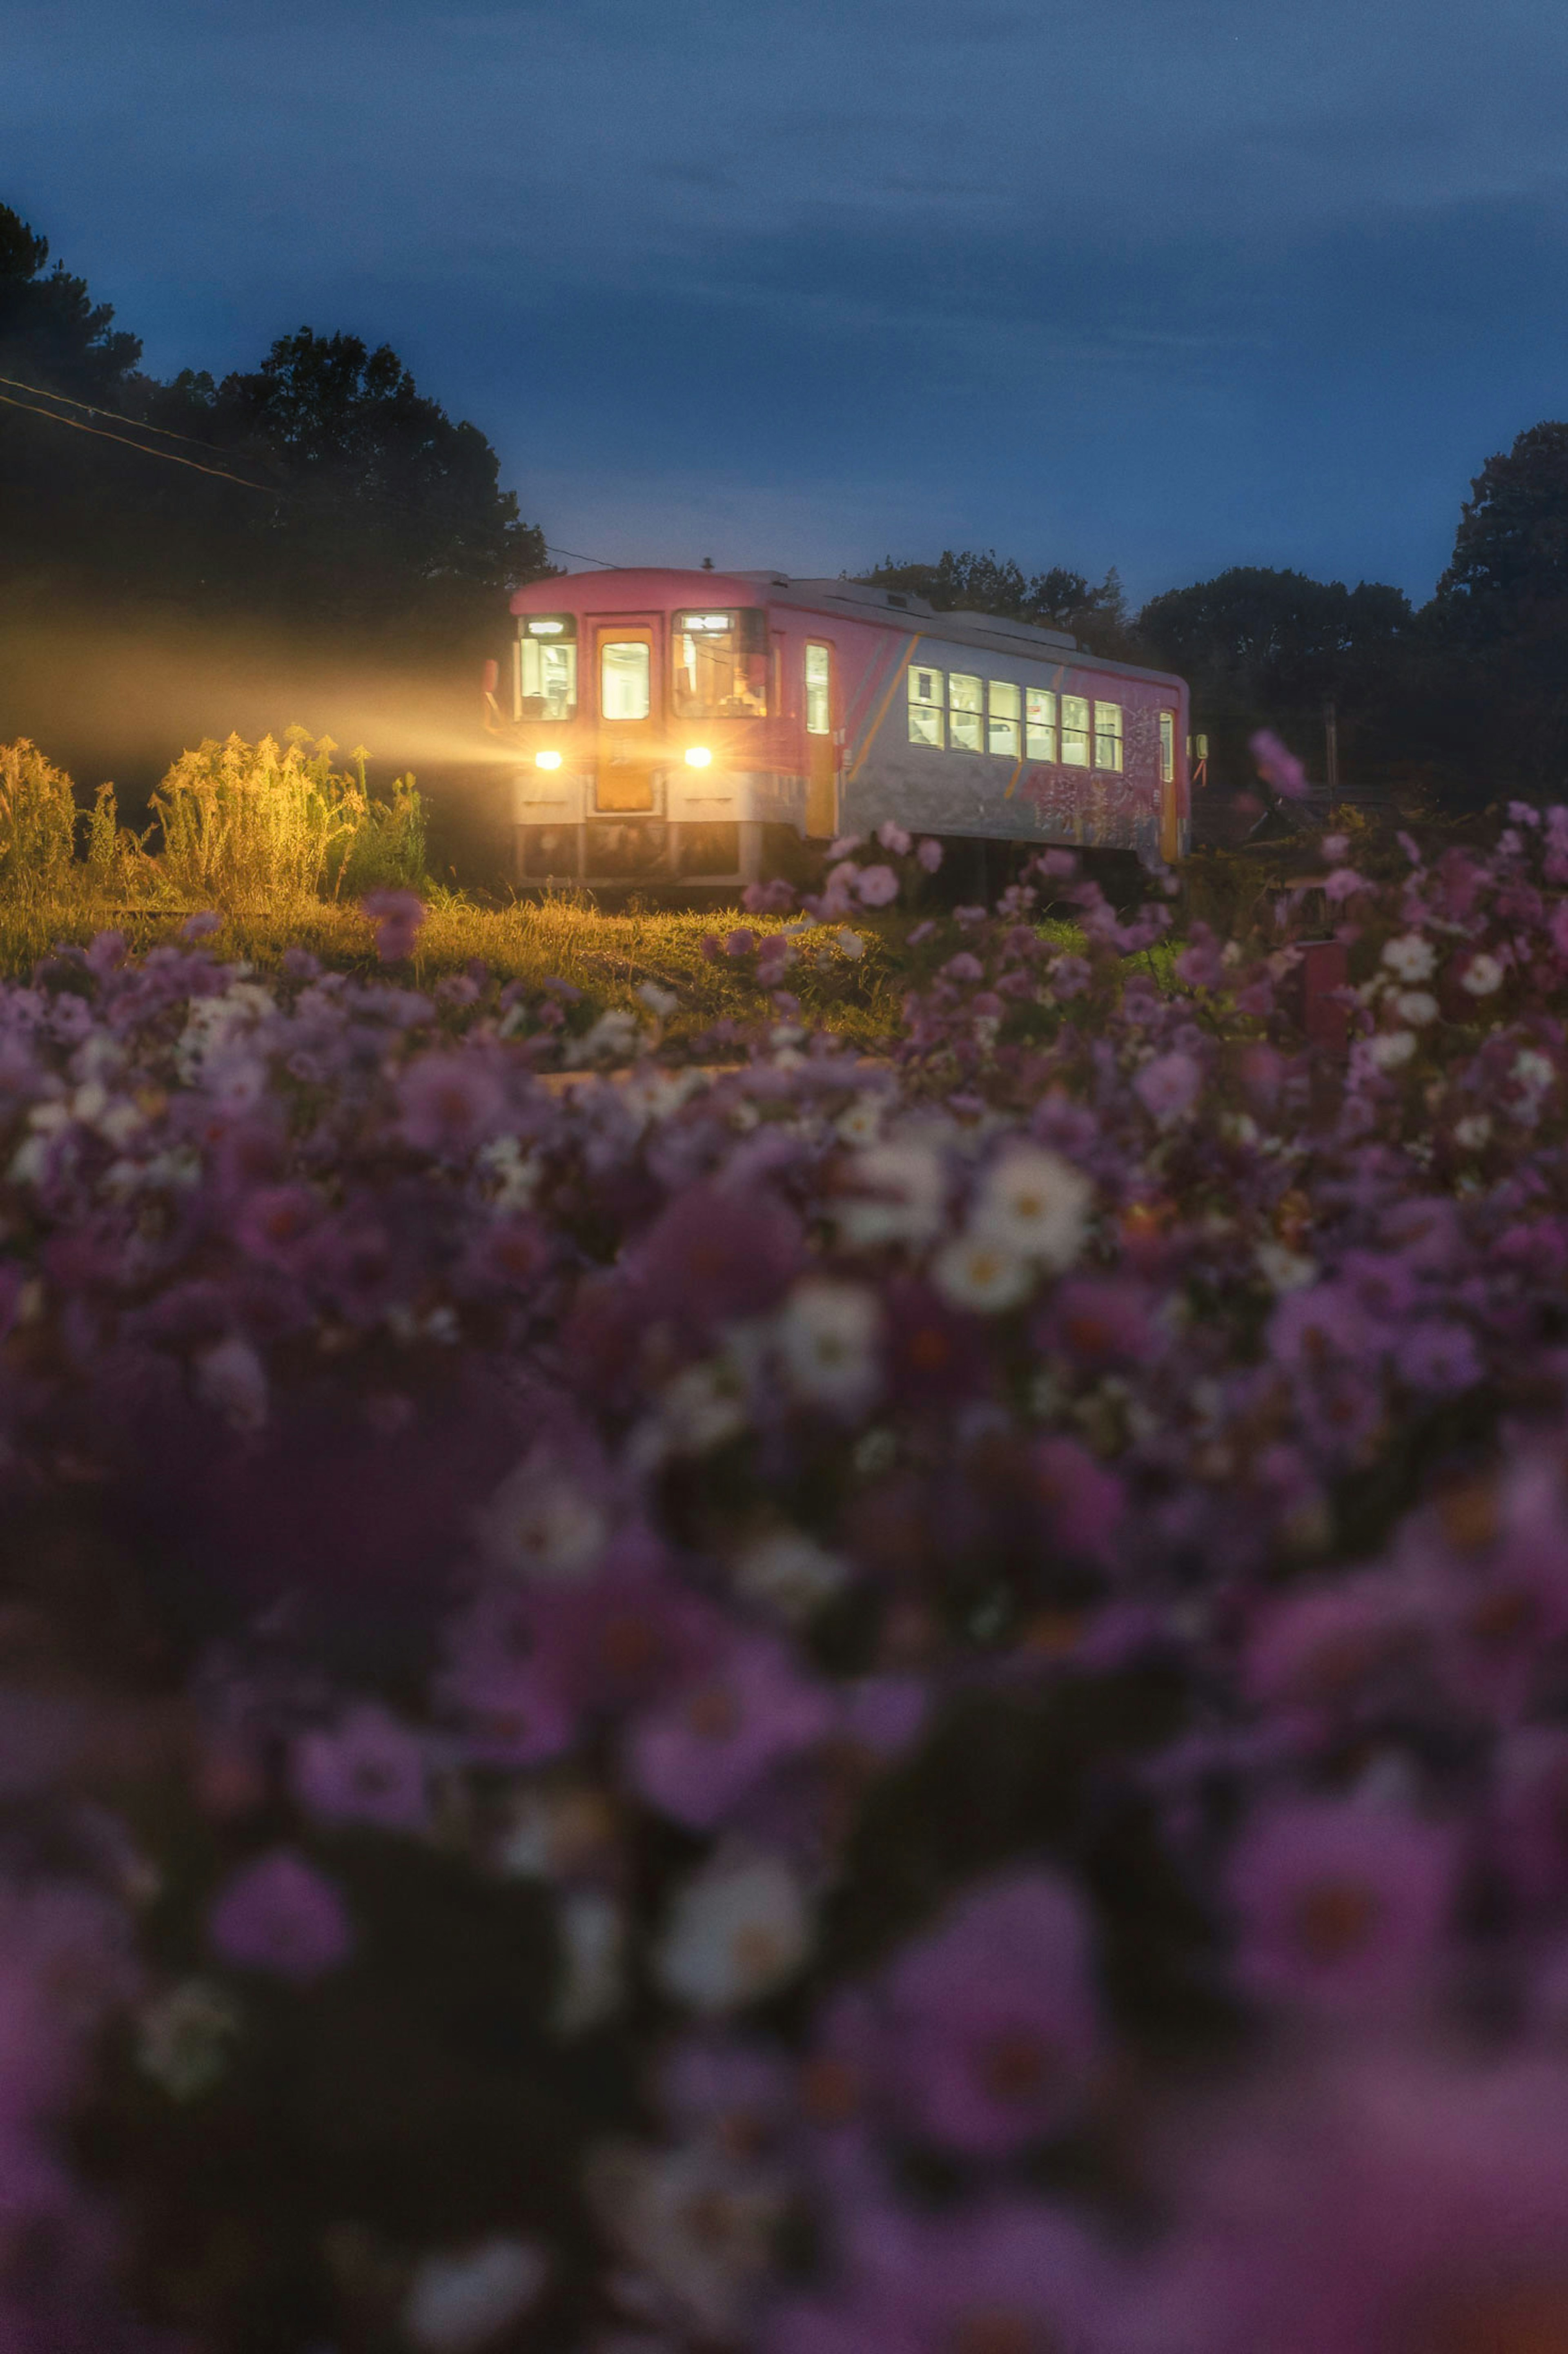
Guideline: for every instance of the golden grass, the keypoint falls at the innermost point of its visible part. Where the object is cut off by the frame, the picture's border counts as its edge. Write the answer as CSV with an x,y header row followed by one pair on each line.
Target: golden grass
x,y
609,956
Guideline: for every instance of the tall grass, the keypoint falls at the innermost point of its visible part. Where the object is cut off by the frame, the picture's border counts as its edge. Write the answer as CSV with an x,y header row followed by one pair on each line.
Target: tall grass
x,y
251,826
38,824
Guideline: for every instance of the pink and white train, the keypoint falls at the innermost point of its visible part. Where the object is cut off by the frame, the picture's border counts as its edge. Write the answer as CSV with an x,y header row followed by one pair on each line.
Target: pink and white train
x,y
688,728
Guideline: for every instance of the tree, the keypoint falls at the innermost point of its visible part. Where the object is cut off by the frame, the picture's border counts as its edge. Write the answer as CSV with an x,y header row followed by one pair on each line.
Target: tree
x,y
967,581
1510,568
1499,622
1268,648
51,332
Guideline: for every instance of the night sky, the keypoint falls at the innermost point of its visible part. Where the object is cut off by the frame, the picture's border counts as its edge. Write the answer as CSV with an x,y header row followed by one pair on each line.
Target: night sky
x,y
1168,284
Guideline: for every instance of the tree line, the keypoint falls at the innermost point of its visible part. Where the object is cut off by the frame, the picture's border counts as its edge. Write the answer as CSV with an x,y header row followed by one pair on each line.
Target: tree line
x,y
321,492
321,489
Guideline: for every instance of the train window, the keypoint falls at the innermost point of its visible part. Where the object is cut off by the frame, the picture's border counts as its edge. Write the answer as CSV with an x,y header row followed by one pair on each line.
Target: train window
x,y
1075,731
819,674
721,665
548,667
623,679
928,693
1039,723
1107,735
1168,747
1001,736
966,712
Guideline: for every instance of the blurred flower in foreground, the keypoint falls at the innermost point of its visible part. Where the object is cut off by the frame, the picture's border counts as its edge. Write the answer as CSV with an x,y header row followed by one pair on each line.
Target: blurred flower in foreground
x,y
396,917
280,1916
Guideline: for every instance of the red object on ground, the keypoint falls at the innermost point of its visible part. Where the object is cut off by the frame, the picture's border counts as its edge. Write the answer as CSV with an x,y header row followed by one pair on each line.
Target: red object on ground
x,y
1323,969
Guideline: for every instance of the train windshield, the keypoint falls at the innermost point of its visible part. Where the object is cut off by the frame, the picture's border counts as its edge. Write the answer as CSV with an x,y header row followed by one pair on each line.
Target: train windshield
x,y
721,665
548,667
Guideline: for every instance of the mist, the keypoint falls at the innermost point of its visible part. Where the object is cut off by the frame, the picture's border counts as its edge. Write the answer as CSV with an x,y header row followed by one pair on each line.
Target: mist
x,y
116,696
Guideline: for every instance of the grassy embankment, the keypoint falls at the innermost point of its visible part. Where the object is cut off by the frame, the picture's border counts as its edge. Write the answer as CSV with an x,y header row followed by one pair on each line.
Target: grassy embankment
x,y
283,846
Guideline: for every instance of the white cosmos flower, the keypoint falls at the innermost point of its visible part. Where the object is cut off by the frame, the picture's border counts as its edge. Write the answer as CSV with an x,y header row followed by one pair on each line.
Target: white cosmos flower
x,y
591,1926
1534,1069
860,1122
1410,957
739,1929
789,1575
540,1524
898,1191
460,2302
1473,1132
1391,1049
1284,1269
231,1378
827,1339
1481,975
1416,1006
697,2223
183,2038
976,1272
1036,1203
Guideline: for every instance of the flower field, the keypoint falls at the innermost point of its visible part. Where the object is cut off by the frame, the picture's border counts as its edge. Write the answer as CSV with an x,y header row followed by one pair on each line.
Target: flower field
x,y
666,1686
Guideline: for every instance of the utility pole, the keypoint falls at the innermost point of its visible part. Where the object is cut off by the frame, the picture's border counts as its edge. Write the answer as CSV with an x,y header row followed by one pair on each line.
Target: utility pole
x,y
1331,742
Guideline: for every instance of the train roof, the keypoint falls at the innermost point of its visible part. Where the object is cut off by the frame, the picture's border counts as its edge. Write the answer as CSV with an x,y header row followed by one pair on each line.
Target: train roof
x,y
619,590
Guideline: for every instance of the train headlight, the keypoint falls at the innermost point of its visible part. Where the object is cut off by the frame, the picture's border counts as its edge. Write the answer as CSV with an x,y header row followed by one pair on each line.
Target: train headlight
x,y
698,757
546,759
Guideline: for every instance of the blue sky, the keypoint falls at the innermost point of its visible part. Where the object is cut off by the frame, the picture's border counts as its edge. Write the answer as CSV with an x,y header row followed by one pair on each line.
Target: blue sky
x,y
1168,284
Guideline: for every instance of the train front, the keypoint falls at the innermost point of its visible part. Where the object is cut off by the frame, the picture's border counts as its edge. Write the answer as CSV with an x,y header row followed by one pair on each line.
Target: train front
x,y
651,748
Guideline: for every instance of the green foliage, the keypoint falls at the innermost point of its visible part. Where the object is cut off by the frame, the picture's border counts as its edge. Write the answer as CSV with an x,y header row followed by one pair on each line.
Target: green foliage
x,y
38,824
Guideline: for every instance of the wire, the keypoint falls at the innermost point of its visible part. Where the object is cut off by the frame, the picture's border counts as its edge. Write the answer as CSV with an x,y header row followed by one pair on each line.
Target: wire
x,y
578,557
138,425
124,442
115,416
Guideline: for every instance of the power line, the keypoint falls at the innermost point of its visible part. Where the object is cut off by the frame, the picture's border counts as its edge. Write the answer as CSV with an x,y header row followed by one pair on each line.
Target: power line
x,y
170,456
268,489
115,416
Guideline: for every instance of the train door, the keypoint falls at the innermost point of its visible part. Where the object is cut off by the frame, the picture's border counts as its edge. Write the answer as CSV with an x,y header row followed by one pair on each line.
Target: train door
x,y
628,722
821,750
1169,791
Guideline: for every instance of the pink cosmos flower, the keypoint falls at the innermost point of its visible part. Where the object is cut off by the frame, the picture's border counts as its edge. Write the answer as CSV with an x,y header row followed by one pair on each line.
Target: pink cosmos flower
x,y
1081,1502
1530,1811
1098,1322
1368,2204
713,1255
274,1222
1437,1353
700,1753
368,1768
1169,1085
1278,766
929,854
449,1103
877,887
1341,1907
279,1915
397,917
990,2031
1014,2277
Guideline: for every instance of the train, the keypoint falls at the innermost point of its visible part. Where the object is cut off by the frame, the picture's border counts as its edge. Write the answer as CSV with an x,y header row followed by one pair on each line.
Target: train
x,y
697,729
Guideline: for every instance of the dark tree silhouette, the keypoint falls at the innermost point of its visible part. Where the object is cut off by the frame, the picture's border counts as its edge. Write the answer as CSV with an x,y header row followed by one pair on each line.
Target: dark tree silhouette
x,y
51,331
1267,648
967,581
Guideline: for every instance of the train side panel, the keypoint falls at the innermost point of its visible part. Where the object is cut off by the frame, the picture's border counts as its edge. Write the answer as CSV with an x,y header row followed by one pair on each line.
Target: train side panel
x,y
1007,795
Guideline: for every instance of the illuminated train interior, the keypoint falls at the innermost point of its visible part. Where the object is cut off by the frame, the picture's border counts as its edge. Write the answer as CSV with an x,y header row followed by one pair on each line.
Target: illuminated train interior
x,y
696,727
